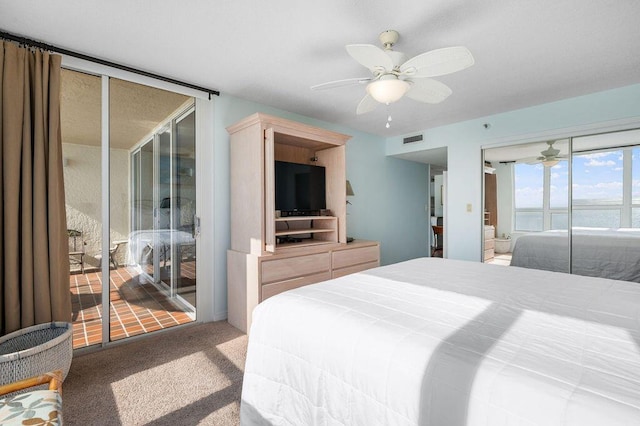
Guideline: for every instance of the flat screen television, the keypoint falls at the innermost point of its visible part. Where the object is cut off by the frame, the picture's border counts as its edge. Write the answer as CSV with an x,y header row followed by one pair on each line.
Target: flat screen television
x,y
299,188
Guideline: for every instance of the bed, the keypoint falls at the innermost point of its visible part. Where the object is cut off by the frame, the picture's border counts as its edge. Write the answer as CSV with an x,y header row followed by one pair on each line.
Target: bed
x,y
141,242
446,343
597,252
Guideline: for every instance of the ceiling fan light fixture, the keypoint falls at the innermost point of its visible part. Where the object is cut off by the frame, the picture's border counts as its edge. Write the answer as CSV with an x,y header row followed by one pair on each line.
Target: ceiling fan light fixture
x,y
388,91
550,163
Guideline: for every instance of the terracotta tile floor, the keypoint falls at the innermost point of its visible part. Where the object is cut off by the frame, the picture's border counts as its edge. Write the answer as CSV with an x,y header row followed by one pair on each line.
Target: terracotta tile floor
x,y
137,307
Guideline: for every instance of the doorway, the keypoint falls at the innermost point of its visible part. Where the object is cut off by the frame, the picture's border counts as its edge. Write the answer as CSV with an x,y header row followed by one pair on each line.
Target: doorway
x,y
436,158
121,204
437,213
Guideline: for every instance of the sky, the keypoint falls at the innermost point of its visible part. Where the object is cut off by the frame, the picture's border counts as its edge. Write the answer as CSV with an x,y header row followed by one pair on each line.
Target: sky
x,y
597,179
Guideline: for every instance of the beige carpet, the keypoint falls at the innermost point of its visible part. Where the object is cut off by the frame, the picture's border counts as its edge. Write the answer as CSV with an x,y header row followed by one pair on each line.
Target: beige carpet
x,y
186,376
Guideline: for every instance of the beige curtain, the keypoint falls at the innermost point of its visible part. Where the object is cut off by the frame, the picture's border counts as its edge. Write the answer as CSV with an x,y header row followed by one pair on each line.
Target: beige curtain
x,y
34,261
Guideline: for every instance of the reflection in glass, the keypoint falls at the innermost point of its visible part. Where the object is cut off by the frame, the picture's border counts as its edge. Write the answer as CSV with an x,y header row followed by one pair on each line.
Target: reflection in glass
x,y
603,243
635,188
184,218
145,204
596,218
559,186
603,200
597,178
559,221
529,221
528,184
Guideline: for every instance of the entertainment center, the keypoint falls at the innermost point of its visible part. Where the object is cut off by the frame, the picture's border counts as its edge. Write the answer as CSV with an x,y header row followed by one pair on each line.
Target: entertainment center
x,y
278,162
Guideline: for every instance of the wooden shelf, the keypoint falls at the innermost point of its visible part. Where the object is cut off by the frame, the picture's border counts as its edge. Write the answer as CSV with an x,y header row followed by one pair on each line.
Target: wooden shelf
x,y
303,231
322,229
298,218
282,247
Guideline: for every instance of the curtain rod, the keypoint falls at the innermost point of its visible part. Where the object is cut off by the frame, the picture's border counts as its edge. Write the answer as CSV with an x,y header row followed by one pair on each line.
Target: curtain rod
x,y
44,46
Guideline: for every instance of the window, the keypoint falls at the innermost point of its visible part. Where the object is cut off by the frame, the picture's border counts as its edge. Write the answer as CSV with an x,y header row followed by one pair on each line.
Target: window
x,y
605,192
559,186
598,189
635,187
541,196
597,178
528,199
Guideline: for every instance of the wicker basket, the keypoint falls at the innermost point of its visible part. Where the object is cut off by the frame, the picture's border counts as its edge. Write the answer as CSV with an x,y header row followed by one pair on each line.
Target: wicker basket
x,y
36,350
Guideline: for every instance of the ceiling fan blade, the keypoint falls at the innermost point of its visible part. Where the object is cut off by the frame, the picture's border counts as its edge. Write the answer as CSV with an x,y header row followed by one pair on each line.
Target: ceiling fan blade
x,y
370,56
366,105
528,160
438,62
428,91
341,83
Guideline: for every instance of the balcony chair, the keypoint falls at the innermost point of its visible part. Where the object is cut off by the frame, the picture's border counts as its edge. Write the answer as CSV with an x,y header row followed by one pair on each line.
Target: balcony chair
x,y
76,248
113,252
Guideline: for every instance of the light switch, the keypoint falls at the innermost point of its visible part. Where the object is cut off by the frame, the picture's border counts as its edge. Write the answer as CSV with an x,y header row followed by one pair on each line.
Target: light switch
x,y
469,208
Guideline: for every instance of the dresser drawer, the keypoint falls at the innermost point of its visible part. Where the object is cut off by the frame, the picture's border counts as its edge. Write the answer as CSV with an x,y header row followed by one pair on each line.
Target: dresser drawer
x,y
489,244
489,254
293,267
272,289
355,256
489,232
353,269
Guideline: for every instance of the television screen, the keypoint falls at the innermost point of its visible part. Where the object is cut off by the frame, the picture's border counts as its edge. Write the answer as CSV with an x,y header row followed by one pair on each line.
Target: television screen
x,y
299,187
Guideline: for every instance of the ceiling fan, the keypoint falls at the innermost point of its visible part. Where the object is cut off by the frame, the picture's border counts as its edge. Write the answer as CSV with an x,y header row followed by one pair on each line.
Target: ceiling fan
x,y
393,75
548,157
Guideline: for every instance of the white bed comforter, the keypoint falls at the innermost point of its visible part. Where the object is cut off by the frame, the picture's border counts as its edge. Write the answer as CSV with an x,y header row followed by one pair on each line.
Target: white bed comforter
x,y
447,343
596,252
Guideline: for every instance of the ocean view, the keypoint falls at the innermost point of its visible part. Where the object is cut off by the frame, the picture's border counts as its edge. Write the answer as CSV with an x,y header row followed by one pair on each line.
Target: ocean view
x,y
594,218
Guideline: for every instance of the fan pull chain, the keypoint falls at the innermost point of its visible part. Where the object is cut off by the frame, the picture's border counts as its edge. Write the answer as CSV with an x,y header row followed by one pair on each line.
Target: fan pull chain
x,y
389,120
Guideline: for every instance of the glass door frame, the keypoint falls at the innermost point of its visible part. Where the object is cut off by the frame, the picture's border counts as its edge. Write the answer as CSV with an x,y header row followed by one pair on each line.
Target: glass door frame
x,y
169,288
210,273
627,206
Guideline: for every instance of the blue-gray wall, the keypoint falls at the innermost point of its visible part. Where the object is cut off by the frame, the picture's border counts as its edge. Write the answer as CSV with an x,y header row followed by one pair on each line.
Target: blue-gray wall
x,y
598,112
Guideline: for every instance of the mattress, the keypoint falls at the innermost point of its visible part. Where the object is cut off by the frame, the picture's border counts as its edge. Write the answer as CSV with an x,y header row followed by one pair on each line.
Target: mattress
x,y
596,252
447,343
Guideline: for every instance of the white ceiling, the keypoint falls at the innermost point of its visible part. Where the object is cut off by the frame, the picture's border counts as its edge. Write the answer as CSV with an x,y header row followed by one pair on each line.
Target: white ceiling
x,y
526,52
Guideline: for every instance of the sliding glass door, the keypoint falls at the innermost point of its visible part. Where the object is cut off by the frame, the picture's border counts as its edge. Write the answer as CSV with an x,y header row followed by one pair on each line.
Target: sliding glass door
x,y
164,199
184,213
146,231
130,167
571,205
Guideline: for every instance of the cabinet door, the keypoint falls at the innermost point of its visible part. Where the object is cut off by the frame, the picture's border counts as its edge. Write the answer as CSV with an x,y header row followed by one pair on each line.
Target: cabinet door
x,y
269,192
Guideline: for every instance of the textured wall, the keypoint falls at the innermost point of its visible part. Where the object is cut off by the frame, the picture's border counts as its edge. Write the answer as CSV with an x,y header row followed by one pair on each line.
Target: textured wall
x,y
82,176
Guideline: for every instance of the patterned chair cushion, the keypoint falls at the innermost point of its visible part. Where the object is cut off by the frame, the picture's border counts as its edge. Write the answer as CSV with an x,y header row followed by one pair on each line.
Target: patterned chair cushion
x,y
40,407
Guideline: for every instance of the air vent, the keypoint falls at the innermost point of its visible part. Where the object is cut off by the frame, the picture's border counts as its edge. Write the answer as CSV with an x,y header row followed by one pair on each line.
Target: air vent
x,y
412,139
